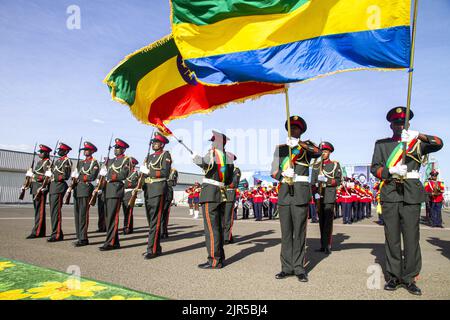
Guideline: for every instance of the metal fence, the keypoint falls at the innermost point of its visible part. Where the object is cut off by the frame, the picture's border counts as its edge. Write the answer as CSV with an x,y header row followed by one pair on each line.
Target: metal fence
x,y
14,164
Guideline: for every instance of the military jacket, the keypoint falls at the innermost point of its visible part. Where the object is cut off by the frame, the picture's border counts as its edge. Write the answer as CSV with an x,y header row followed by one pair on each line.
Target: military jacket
x,y
118,172
409,190
39,174
62,168
88,171
332,171
160,165
302,189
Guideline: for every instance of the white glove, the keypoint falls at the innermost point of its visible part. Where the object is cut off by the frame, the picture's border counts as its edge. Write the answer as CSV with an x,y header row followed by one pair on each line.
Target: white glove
x,y
100,191
408,135
292,142
75,174
317,196
288,173
144,170
29,173
399,169
103,172
48,173
322,178
351,185
196,158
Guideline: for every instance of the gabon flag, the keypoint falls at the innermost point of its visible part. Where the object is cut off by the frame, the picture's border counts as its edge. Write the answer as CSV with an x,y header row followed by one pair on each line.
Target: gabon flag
x,y
158,87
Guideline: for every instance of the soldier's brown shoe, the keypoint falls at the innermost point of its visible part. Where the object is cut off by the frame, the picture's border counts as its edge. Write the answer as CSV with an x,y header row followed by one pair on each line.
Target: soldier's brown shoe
x,y
108,247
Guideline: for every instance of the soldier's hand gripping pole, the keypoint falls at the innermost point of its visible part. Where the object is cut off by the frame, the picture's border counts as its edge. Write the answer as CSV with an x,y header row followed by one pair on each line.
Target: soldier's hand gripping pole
x,y
74,180
101,180
47,180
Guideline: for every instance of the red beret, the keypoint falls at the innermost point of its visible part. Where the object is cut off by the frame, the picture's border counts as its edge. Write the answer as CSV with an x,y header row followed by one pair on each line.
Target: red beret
x,y
134,161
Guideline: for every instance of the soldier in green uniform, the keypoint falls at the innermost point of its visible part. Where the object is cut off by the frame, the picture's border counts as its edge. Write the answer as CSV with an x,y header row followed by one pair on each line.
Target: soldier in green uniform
x,y
38,177
85,174
218,174
130,183
62,168
171,182
156,170
326,176
294,197
228,217
115,175
401,195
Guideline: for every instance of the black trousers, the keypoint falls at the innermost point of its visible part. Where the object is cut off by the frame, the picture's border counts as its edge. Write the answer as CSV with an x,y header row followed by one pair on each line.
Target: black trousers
x,y
166,212
154,210
326,218
213,213
272,209
228,220
56,203
401,221
101,205
81,210
127,215
112,221
293,221
39,215
368,209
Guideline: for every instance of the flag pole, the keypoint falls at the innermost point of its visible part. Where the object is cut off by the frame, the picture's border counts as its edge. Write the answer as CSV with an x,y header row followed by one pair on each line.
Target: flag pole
x,y
410,75
290,182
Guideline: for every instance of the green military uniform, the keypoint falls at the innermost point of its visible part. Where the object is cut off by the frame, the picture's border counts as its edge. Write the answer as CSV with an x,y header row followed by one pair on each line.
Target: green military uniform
x,y
401,200
118,172
171,182
293,208
155,190
88,170
130,184
327,192
62,168
218,174
228,217
39,204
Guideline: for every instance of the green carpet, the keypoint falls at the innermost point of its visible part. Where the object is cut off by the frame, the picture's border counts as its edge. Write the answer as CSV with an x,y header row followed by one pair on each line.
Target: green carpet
x,y
22,281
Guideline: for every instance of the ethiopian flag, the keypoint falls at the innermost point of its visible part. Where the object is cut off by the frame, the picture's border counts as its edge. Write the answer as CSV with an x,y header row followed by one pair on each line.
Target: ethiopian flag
x,y
279,41
156,85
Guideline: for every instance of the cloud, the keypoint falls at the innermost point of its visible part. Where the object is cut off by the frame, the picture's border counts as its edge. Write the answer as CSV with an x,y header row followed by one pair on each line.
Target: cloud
x,y
98,121
16,147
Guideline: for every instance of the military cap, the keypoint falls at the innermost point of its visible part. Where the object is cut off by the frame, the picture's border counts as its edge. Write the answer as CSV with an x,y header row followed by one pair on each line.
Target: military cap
x,y
65,147
326,146
159,138
434,173
297,121
134,161
44,148
218,135
398,114
119,143
89,146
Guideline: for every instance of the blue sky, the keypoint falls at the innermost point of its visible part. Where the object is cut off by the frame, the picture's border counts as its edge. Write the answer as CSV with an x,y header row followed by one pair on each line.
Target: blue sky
x,y
51,86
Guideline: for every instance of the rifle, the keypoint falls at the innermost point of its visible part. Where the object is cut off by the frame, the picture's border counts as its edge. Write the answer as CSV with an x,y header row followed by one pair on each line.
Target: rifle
x,y
140,182
319,201
74,180
47,179
27,183
101,180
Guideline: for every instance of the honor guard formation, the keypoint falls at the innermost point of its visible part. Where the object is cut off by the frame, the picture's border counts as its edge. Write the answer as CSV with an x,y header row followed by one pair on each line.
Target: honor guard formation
x,y
114,183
